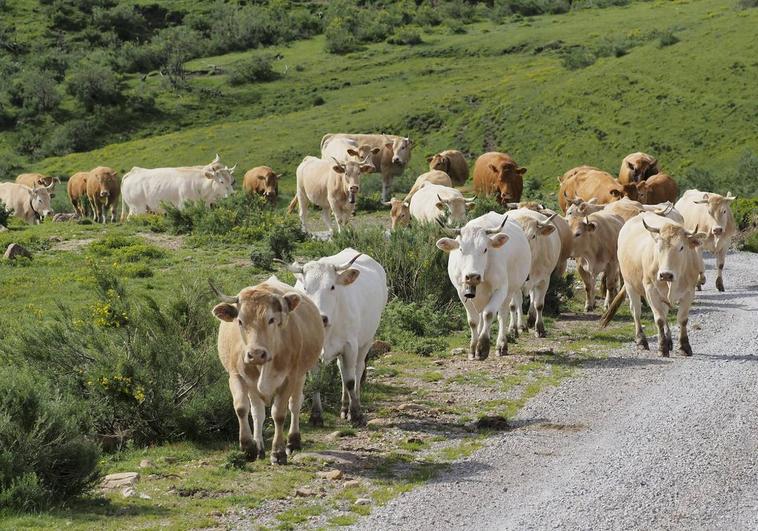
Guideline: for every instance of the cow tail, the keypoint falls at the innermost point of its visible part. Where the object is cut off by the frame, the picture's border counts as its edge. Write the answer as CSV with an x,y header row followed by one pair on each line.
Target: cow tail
x,y
292,205
612,308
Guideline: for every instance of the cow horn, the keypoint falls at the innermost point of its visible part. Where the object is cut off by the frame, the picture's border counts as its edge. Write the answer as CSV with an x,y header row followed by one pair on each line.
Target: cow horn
x,y
649,228
547,221
387,203
340,164
692,233
295,267
231,170
440,199
217,159
495,231
347,265
729,195
223,298
449,230
51,186
665,210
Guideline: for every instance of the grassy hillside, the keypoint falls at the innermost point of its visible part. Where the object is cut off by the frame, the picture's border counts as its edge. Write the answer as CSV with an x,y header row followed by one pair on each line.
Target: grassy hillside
x,y
674,79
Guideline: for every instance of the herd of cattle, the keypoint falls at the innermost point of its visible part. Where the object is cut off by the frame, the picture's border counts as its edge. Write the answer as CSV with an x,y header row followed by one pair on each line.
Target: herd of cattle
x,y
630,232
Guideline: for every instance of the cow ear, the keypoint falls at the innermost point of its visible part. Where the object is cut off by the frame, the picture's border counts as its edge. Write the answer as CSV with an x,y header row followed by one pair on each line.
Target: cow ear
x,y
292,299
547,229
52,195
348,276
439,205
225,312
209,174
697,239
279,175
367,168
352,152
261,177
388,145
338,169
521,171
375,150
498,240
430,158
591,226
618,194
447,244
494,168
630,165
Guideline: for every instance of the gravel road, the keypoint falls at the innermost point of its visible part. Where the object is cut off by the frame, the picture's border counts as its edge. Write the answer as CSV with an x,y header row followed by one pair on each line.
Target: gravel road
x,y
633,442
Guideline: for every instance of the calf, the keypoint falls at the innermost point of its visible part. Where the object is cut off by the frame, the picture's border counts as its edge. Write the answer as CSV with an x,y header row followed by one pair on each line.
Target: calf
x,y
658,258
350,291
439,203
711,213
103,189
400,212
589,184
28,204
262,180
637,167
270,336
498,174
77,193
432,176
453,163
659,188
489,263
331,185
545,248
595,245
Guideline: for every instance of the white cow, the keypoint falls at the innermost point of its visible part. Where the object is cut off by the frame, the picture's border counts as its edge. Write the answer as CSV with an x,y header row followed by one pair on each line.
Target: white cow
x,y
29,204
545,247
488,264
433,202
345,149
331,185
711,214
350,291
143,190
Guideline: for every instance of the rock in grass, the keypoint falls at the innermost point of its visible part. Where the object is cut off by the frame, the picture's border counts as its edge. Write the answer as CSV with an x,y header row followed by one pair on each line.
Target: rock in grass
x,y
15,250
352,483
120,480
333,475
377,424
363,501
146,463
302,492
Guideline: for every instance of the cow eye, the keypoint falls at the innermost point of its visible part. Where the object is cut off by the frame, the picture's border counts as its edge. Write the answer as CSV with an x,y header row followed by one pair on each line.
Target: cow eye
x,y
271,321
485,250
332,288
681,248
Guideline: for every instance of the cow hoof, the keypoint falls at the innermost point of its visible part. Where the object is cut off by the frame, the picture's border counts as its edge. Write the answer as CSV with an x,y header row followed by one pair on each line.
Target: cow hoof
x,y
663,351
357,419
685,349
642,343
472,355
719,284
317,421
294,443
279,457
483,348
343,413
250,451
530,321
540,331
261,454
502,350
669,344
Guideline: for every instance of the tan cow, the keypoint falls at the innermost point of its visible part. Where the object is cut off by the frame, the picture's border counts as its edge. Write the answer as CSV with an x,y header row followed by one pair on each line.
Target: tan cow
x,y
37,179
400,212
574,171
712,214
103,189
637,167
564,232
331,185
28,204
452,162
263,181
589,184
498,174
77,193
595,245
390,161
624,208
441,204
658,259
659,188
270,336
432,176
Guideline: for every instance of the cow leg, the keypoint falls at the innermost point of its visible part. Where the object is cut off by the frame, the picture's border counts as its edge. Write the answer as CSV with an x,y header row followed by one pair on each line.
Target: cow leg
x,y
327,220
386,185
347,364
682,317
517,313
242,409
501,347
497,299
660,311
473,323
720,259
635,305
317,414
589,288
360,366
611,283
295,403
278,413
302,209
538,303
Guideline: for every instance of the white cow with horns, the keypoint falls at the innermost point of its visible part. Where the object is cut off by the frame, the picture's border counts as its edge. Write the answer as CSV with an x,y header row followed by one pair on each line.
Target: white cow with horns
x,y
143,189
350,291
489,263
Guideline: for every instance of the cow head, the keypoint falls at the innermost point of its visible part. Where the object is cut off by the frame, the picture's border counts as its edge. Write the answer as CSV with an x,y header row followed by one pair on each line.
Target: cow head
x,y
363,153
351,176
400,212
509,181
531,205
270,182
324,283
640,166
473,243
106,180
535,228
221,176
39,199
439,162
581,226
401,150
672,243
635,190
454,209
719,211
580,208
259,315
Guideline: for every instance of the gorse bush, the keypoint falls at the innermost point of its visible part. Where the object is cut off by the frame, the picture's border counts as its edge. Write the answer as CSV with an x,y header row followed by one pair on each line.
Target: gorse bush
x,y
145,372
45,454
419,326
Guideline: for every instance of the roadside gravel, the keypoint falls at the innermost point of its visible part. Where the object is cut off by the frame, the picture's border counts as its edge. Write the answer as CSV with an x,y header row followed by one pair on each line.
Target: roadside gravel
x,y
633,442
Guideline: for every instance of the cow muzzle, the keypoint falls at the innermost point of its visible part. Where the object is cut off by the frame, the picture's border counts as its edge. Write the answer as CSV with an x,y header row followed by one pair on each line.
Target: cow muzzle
x,y
396,160
257,356
718,231
104,193
325,320
351,194
665,276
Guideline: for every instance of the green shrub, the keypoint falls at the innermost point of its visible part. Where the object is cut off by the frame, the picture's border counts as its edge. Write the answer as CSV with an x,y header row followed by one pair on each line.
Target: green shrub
x,y
369,202
94,84
577,57
339,37
455,27
253,70
667,38
747,4
750,242
407,36
745,212
4,214
418,326
45,455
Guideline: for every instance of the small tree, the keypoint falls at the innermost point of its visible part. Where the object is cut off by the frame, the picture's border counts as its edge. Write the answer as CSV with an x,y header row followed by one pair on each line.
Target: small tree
x,y
94,84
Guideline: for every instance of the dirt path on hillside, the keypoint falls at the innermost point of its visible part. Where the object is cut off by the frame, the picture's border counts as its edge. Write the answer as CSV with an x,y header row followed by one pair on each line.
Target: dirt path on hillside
x,y
634,442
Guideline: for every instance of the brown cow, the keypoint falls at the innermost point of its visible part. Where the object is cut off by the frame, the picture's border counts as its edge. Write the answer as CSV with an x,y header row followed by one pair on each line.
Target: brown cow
x,y
77,192
263,181
103,190
589,184
637,167
659,188
451,162
498,174
270,336
33,180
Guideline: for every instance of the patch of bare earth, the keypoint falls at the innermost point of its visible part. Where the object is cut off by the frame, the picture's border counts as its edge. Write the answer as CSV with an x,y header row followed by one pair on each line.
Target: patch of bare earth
x,y
166,241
